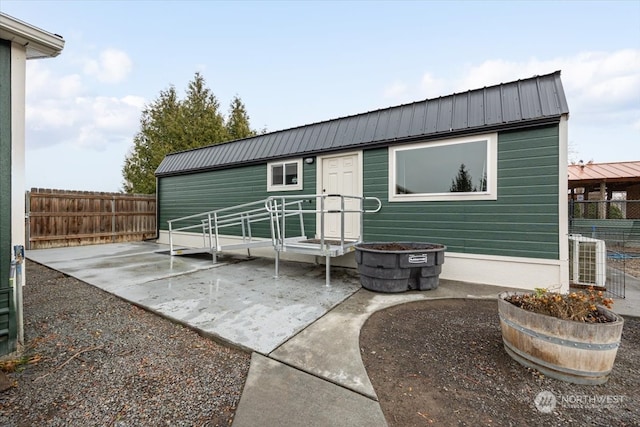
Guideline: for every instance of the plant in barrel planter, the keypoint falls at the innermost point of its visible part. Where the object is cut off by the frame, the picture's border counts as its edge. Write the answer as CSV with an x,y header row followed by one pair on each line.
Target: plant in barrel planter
x,y
399,266
571,337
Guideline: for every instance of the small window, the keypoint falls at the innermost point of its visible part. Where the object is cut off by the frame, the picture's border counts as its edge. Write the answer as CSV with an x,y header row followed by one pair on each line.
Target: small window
x,y
284,176
456,169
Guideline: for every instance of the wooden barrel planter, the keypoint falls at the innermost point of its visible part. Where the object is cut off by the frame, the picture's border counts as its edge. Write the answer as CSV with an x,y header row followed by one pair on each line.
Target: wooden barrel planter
x,y
399,266
576,352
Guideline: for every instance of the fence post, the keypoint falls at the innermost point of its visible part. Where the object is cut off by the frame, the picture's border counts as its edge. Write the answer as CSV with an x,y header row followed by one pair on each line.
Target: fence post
x,y
27,220
113,219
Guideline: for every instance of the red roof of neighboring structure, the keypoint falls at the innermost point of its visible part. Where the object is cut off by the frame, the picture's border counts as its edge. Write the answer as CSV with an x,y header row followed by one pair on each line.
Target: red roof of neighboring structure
x,y
597,172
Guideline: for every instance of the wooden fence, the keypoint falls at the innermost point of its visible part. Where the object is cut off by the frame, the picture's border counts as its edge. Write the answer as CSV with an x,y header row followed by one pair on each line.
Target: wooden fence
x,y
58,218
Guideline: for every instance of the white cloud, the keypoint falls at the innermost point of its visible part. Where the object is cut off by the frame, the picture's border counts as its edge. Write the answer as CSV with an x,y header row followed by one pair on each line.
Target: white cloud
x,y
112,66
41,82
594,81
91,122
605,85
60,111
432,87
602,89
396,90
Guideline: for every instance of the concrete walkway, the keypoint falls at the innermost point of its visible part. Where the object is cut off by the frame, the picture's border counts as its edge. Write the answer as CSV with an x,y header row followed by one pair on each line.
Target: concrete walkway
x,y
306,365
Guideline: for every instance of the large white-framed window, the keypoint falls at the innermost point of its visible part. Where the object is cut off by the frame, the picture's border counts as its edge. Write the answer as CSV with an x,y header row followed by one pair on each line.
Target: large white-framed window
x,y
284,175
453,169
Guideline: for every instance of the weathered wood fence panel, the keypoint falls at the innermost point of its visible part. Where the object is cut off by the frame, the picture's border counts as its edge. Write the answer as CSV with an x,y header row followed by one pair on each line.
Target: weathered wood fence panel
x,y
58,218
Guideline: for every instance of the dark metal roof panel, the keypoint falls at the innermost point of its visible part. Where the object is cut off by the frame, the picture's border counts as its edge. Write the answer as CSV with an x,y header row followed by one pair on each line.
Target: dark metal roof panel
x,y
304,145
431,117
361,128
340,133
511,103
445,113
460,117
406,118
332,133
280,142
419,115
475,110
265,146
535,99
395,116
313,141
381,133
530,100
323,136
293,142
233,153
372,122
306,135
350,130
493,105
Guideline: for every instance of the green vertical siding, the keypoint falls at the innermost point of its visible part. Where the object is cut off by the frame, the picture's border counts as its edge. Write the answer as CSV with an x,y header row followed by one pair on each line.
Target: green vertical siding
x,y
7,315
522,222
184,195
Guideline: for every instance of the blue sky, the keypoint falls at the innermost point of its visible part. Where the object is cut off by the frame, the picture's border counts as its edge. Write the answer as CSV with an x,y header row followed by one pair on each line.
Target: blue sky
x,y
294,63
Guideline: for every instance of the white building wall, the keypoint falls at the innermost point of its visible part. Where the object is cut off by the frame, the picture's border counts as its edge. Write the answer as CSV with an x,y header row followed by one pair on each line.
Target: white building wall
x,y
18,77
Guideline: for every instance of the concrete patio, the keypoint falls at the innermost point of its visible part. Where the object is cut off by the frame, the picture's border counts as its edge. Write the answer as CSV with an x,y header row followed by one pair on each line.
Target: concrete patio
x,y
304,335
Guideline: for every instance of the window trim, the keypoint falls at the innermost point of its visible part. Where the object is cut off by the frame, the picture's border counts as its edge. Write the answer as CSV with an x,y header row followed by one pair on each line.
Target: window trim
x,y
492,171
284,187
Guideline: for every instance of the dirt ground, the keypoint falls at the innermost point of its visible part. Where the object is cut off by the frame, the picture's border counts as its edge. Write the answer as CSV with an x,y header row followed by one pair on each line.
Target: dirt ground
x,y
443,363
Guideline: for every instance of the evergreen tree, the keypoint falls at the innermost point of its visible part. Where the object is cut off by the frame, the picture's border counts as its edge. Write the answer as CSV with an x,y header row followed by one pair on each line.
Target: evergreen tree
x,y
160,131
238,122
202,121
169,124
462,182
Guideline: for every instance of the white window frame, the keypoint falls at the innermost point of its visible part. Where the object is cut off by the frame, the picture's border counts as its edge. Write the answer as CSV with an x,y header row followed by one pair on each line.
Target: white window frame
x,y
492,171
284,187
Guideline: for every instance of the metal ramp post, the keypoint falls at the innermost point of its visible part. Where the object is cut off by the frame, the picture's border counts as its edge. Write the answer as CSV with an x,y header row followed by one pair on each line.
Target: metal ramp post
x,y
327,272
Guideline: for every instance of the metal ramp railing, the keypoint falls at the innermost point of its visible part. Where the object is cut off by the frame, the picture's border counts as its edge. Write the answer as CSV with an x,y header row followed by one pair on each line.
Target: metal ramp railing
x,y
210,224
279,211
282,207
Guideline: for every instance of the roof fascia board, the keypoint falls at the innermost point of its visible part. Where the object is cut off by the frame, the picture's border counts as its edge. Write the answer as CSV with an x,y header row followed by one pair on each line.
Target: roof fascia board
x,y
39,43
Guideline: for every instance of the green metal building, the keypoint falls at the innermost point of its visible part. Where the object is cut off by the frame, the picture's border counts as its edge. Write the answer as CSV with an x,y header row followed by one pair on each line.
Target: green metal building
x,y
482,171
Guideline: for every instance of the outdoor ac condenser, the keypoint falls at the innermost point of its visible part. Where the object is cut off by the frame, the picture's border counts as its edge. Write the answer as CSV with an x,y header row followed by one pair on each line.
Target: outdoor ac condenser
x,y
587,261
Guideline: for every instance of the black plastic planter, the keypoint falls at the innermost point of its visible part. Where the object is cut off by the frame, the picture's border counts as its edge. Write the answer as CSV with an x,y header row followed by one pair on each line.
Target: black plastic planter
x,y
399,266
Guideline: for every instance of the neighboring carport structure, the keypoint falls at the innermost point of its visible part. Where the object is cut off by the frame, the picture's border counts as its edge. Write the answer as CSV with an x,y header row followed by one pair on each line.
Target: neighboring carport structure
x,y
599,181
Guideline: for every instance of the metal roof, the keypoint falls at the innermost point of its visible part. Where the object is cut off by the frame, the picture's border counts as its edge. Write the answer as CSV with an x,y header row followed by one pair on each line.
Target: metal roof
x,y
594,173
539,99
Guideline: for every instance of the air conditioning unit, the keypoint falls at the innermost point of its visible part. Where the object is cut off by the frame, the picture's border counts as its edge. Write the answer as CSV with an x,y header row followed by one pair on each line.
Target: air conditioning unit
x,y
587,261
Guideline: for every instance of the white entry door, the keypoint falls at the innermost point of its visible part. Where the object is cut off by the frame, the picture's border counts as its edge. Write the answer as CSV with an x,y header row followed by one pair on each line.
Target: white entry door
x,y
341,175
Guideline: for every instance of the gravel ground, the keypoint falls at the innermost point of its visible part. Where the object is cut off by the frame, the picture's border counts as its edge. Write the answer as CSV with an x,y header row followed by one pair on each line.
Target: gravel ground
x,y
99,361
443,363
96,360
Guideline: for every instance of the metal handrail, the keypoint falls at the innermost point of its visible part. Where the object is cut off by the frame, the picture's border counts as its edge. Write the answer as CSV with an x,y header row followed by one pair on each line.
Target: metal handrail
x,y
281,211
211,222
